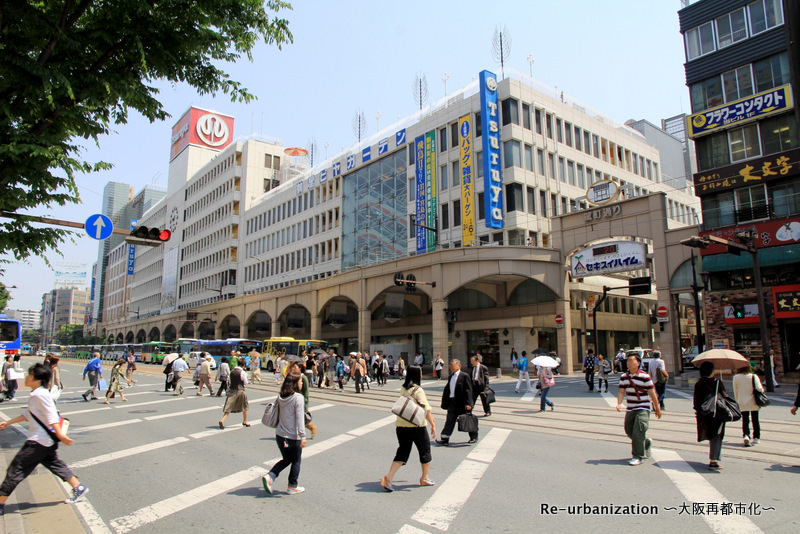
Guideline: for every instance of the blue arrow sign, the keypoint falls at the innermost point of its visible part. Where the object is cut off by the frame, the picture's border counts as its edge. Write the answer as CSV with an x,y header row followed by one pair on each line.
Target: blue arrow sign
x,y
99,227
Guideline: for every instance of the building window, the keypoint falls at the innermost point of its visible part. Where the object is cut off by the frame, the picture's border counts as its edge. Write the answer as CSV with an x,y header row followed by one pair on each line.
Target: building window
x,y
578,139
549,125
540,158
738,83
554,204
731,28
510,108
478,125
412,189
454,135
596,146
537,116
743,143
412,226
771,72
529,157
512,156
751,203
778,134
785,200
571,172
581,177
543,202
568,133
481,211
531,200
443,139
443,177
559,135
456,171
765,14
445,216
526,116
562,169
712,152
551,160
514,197
456,213
478,168
699,41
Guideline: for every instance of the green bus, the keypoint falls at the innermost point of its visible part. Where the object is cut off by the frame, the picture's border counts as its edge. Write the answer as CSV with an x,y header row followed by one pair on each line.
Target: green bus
x,y
154,351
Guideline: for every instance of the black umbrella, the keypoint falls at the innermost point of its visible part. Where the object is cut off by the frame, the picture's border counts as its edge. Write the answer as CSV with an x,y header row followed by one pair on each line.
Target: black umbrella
x,y
293,358
540,351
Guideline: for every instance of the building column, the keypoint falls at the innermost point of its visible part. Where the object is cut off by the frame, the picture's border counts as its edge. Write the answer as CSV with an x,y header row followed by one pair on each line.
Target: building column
x,y
244,332
275,326
364,328
316,326
564,336
439,330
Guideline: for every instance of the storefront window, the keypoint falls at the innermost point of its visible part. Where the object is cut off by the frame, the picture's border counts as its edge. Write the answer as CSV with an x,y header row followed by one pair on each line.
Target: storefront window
x,y
485,342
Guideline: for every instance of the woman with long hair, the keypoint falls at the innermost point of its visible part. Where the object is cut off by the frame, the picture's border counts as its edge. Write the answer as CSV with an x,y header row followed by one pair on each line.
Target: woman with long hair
x,y
408,434
745,383
290,435
709,428
236,400
56,370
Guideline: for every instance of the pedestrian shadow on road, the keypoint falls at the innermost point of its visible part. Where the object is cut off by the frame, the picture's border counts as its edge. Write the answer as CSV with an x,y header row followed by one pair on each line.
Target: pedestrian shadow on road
x,y
251,491
23,506
608,461
784,468
375,487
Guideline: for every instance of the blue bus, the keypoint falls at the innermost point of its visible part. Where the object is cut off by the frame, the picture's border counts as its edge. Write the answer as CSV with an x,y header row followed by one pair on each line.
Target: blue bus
x,y
218,348
10,334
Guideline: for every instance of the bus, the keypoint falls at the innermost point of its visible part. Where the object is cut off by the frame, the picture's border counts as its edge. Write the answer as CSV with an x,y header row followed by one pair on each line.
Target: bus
x,y
218,348
153,351
185,344
275,345
114,352
56,349
10,335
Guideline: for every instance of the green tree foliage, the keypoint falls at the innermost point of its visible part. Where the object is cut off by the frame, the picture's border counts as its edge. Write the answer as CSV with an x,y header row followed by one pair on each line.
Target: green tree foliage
x,y
72,69
31,336
4,296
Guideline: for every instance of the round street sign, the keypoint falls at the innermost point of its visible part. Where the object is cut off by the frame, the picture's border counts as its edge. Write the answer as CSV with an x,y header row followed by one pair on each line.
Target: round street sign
x,y
662,311
99,227
559,319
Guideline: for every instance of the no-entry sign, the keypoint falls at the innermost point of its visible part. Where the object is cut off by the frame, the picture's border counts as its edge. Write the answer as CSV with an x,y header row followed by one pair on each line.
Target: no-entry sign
x,y
559,321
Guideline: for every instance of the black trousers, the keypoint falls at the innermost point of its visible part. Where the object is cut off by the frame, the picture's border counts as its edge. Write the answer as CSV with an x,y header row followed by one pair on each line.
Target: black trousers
x,y
590,379
223,386
358,379
450,424
29,456
476,392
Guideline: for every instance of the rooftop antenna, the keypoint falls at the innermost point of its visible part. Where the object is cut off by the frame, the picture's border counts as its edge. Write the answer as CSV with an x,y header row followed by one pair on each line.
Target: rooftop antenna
x,y
359,124
312,151
420,90
501,47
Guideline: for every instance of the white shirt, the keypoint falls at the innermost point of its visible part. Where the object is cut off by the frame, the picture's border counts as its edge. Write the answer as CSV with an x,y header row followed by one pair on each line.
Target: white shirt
x,y
419,359
41,404
453,380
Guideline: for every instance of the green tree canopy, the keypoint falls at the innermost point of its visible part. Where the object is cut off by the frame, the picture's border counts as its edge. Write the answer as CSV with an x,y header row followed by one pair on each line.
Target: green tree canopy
x,y
71,69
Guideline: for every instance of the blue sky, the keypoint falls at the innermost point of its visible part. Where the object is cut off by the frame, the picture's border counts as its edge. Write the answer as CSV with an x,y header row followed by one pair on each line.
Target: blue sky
x,y
623,58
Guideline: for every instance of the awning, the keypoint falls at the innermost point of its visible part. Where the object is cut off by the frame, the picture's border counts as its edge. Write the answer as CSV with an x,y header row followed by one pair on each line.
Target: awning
x,y
768,256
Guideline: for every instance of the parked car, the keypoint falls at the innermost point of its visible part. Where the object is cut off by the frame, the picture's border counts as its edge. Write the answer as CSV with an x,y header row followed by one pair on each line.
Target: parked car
x,y
194,360
645,356
690,354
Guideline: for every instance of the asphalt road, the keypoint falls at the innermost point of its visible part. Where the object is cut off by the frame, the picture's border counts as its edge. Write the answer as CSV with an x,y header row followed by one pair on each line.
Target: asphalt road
x,y
159,463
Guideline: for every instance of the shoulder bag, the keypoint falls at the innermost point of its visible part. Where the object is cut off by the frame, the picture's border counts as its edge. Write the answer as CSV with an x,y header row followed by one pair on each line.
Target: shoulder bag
x,y
720,407
408,409
467,422
63,421
271,413
488,394
760,397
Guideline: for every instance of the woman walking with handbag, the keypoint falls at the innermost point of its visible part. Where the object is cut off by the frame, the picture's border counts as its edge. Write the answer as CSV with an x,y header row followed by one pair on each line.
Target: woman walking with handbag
x,y
546,381
745,386
116,382
223,372
409,434
290,435
709,428
236,400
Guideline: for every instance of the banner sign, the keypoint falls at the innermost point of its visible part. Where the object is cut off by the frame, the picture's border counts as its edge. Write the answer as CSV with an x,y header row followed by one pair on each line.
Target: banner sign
x,y
203,128
613,257
132,250
430,188
465,157
421,205
774,167
490,132
742,110
787,301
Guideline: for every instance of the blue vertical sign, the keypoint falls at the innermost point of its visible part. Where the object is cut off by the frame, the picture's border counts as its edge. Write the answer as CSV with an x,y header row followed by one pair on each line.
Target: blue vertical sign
x,y
132,250
490,131
422,208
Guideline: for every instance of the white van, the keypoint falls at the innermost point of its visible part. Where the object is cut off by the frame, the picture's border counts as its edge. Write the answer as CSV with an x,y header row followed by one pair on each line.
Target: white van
x,y
194,360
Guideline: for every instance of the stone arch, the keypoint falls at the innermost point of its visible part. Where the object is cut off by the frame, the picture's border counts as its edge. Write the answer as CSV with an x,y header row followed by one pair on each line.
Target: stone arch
x,y
530,292
259,325
230,327
154,335
295,321
170,334
187,331
141,336
206,330
130,337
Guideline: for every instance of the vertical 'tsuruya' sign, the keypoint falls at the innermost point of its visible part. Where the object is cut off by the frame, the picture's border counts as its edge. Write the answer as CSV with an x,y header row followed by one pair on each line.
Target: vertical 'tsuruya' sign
x,y
421,204
490,131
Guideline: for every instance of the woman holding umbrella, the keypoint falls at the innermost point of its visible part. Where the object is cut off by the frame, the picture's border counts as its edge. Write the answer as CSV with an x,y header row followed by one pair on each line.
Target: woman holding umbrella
x,y
544,369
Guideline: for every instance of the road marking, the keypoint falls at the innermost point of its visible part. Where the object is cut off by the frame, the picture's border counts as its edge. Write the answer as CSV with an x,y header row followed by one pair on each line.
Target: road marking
x,y
88,512
610,399
695,488
443,506
172,505
116,455
408,529
196,410
680,393
85,429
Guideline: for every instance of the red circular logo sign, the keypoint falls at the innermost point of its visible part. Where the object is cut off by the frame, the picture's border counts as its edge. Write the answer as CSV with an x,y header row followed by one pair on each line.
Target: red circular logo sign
x,y
559,319
662,311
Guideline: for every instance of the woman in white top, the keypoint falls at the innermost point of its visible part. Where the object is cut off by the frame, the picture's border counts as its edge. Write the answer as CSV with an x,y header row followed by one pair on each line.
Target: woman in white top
x,y
744,382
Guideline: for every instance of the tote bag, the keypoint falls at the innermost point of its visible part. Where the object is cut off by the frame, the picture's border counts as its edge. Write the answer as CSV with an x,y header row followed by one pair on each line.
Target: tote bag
x,y
271,414
407,409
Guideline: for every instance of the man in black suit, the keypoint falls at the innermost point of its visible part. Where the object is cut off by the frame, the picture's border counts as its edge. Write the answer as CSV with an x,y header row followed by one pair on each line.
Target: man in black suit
x,y
480,381
456,399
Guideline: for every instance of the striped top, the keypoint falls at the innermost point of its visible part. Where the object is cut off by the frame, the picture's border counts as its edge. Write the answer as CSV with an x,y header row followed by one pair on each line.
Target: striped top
x,y
636,388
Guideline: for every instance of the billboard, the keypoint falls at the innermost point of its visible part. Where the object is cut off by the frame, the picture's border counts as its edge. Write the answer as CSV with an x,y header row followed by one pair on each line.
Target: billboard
x,y
611,257
202,128
467,182
743,110
70,275
490,133
430,189
421,204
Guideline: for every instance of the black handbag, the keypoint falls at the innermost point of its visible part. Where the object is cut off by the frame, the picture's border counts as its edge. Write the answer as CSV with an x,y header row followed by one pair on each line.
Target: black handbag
x,y
467,423
760,397
720,407
488,394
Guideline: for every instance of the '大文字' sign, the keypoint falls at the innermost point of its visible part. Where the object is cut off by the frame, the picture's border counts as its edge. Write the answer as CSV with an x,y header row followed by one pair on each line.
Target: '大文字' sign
x,y
742,110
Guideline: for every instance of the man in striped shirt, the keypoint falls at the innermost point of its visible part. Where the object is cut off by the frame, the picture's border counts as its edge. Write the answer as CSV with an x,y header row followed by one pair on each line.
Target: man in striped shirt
x,y
637,388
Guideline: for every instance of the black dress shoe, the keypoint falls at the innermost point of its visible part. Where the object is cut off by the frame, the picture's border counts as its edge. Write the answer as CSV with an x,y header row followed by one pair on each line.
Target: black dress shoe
x,y
487,414
473,440
442,442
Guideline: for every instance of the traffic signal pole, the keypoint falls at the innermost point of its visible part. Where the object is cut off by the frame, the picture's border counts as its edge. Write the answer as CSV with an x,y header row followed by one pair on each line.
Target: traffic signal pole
x,y
54,222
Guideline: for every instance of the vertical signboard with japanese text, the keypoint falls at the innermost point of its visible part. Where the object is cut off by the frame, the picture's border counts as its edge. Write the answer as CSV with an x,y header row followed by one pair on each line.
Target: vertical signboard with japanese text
x,y
465,159
490,132
132,250
421,205
430,189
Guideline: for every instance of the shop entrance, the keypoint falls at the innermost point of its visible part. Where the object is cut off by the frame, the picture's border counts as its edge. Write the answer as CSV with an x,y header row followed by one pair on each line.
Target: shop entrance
x,y
487,342
791,346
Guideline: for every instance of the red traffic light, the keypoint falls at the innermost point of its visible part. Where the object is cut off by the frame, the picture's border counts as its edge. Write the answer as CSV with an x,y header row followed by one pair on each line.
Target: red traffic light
x,y
152,234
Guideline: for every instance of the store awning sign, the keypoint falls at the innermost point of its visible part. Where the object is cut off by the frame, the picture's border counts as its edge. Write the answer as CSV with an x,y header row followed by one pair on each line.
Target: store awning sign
x,y
742,110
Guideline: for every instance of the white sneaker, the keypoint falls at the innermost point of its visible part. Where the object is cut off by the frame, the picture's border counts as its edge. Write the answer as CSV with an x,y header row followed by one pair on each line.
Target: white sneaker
x,y
747,441
267,481
294,491
755,441
634,461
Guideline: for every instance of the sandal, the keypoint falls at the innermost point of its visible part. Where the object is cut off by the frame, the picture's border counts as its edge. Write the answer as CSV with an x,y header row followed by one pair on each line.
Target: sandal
x,y
245,424
387,484
426,482
221,425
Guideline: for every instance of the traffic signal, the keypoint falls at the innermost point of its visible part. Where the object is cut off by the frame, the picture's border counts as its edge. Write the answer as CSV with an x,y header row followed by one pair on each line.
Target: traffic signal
x,y
639,286
149,237
738,310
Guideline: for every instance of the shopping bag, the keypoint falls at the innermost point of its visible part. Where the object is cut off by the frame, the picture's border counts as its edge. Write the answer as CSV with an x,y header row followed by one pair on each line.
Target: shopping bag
x,y
102,384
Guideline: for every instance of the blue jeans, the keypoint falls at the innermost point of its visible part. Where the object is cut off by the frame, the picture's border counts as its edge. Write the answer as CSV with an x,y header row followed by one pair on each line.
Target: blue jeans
x,y
291,453
545,391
